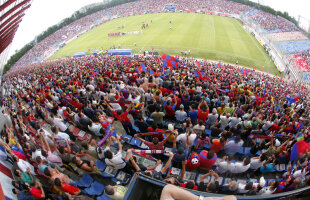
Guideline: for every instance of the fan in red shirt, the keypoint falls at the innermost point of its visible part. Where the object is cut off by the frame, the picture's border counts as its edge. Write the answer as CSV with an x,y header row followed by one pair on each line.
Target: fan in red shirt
x,y
155,129
203,111
67,188
170,110
123,118
36,191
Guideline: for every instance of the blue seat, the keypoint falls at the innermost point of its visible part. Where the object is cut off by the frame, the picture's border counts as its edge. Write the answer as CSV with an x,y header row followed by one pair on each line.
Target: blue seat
x,y
109,172
207,146
85,181
2,148
208,132
135,142
95,189
100,165
247,151
136,128
143,146
104,197
149,121
241,150
242,180
281,167
126,138
254,180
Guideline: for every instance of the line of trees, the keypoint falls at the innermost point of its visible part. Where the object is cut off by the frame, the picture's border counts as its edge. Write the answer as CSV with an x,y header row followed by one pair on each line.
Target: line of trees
x,y
267,9
75,16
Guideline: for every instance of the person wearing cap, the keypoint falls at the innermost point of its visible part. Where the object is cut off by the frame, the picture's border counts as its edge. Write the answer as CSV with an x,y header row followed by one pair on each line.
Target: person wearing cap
x,y
245,124
171,137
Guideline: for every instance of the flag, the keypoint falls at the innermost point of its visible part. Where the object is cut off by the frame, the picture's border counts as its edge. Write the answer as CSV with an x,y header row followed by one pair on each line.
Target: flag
x,y
198,64
219,65
152,72
170,61
293,100
298,149
141,68
196,73
124,61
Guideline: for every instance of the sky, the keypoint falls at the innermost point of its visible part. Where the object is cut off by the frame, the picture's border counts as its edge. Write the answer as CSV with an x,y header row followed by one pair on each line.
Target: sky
x,y
293,7
45,13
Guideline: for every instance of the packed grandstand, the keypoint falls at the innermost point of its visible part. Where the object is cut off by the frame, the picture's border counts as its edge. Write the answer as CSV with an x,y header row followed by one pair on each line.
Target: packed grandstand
x,y
91,127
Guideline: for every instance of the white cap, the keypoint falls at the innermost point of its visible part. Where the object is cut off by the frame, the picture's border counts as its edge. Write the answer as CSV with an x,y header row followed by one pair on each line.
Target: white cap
x,y
170,127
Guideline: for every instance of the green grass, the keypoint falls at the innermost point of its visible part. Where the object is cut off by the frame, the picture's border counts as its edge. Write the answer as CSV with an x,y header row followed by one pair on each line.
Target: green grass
x,y
207,36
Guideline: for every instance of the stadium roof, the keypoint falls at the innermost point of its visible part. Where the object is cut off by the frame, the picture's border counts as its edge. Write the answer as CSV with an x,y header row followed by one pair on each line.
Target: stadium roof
x,y
11,14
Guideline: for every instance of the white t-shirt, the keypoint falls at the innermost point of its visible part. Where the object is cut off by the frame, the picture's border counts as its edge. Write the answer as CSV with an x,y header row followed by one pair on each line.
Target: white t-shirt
x,y
222,167
37,153
266,191
95,128
241,188
182,138
135,100
116,162
234,121
116,106
59,123
256,163
238,168
224,121
231,147
62,136
23,165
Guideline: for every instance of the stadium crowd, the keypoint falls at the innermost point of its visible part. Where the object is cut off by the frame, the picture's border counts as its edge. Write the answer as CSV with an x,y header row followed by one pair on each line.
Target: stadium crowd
x,y
272,23
300,62
44,48
245,123
286,36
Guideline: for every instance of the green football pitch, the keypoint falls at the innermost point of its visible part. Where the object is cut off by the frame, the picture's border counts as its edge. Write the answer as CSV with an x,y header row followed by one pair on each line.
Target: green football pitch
x,y
206,36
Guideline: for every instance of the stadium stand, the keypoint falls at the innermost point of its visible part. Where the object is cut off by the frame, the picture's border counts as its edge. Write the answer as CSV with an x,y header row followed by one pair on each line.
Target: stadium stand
x,y
300,61
293,47
76,116
286,36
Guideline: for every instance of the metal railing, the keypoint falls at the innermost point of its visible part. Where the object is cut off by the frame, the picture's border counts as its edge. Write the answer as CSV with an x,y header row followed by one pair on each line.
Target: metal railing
x,y
141,177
